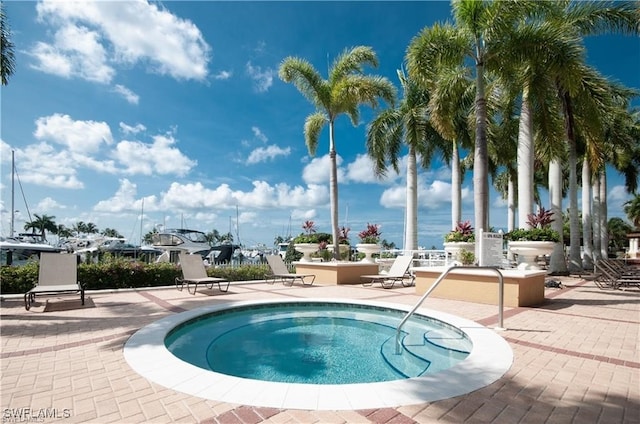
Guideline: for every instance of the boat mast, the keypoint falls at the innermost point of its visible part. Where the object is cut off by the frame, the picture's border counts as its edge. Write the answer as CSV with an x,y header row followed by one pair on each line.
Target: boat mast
x,y
13,209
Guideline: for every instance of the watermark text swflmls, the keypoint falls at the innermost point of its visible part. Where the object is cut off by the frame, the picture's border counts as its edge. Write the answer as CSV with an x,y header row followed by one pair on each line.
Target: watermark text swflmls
x,y
34,415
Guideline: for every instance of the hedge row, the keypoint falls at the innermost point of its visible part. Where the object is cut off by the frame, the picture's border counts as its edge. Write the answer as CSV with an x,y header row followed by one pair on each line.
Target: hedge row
x,y
120,273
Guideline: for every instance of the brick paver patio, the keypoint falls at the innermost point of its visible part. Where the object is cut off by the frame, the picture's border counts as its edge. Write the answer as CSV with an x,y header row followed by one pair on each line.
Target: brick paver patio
x,y
575,360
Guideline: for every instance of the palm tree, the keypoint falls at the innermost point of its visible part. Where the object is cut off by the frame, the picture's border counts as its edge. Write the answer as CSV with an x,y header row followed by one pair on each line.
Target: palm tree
x,y
632,209
7,58
213,237
342,93
579,19
618,230
42,223
450,105
480,35
79,227
110,232
63,231
91,228
148,237
385,135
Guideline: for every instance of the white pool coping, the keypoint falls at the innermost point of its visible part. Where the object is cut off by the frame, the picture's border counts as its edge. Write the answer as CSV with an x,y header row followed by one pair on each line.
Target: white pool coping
x,y
490,358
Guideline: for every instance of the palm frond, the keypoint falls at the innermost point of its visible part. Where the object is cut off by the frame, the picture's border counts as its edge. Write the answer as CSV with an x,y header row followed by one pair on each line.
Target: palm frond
x,y
312,127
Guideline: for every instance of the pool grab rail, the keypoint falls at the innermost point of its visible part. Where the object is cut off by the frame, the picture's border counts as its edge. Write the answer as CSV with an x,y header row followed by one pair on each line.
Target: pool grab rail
x,y
438,281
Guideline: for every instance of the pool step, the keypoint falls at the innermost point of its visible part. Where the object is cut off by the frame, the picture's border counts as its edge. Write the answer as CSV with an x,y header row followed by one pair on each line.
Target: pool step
x,y
407,364
448,340
432,350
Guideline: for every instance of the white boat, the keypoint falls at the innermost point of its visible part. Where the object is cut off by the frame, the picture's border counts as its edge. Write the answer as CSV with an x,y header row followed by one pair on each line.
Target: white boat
x,y
19,250
190,241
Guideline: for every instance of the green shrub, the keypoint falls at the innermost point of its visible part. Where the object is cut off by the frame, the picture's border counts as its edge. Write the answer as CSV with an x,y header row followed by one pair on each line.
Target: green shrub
x,y
119,273
533,234
18,279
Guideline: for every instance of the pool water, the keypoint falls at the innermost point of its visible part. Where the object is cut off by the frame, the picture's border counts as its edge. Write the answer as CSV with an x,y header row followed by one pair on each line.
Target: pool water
x,y
317,343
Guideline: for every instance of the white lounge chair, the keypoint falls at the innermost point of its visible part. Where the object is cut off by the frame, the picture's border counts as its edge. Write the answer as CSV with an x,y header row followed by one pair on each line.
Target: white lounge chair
x,y
399,271
194,272
279,270
57,274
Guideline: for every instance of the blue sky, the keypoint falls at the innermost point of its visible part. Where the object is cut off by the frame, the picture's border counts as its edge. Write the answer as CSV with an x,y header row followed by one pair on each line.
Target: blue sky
x,y
175,110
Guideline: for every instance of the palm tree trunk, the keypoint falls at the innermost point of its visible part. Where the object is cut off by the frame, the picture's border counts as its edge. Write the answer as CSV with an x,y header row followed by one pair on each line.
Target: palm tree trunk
x,y
557,263
456,187
575,261
511,205
411,230
595,190
480,157
525,162
587,242
604,228
333,193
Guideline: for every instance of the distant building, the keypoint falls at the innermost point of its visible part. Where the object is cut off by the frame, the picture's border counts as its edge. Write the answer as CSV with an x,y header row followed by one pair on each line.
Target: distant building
x,y
634,245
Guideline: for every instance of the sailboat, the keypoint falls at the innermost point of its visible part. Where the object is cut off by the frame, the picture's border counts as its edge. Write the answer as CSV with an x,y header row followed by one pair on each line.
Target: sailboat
x,y
18,249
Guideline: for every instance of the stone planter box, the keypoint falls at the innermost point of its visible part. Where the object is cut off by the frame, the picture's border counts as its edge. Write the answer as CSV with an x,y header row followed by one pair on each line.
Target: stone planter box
x,y
337,272
521,287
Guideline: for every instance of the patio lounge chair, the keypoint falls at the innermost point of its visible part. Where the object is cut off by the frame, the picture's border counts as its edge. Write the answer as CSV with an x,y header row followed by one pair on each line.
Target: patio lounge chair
x,y
194,272
57,274
279,271
399,272
612,274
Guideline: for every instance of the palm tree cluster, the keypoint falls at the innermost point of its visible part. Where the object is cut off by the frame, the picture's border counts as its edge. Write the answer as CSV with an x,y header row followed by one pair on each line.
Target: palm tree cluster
x,y
43,223
509,82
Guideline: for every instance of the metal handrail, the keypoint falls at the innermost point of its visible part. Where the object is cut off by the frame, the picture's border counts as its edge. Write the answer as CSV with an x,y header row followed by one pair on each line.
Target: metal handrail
x,y
435,284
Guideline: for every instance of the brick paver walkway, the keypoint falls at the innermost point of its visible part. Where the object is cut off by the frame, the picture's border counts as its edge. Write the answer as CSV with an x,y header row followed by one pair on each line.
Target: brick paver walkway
x,y
575,360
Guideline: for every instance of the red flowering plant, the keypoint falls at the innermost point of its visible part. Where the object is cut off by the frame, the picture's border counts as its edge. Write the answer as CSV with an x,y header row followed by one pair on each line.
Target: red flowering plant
x,y
462,233
343,235
371,234
309,235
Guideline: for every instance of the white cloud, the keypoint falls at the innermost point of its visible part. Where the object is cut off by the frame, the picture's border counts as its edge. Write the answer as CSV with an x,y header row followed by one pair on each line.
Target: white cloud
x,y
48,204
39,164
303,215
129,95
361,171
618,194
223,75
430,196
76,52
263,154
124,200
193,196
299,197
159,157
52,61
259,134
127,129
83,137
262,80
137,32
197,196
317,171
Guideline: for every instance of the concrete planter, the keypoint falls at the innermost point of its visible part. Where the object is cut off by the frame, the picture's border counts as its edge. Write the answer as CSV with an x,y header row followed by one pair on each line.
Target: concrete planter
x,y
368,249
528,251
455,247
306,249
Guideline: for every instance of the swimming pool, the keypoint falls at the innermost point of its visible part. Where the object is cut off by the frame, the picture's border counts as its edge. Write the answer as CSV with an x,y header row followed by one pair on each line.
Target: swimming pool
x,y
317,343
490,357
